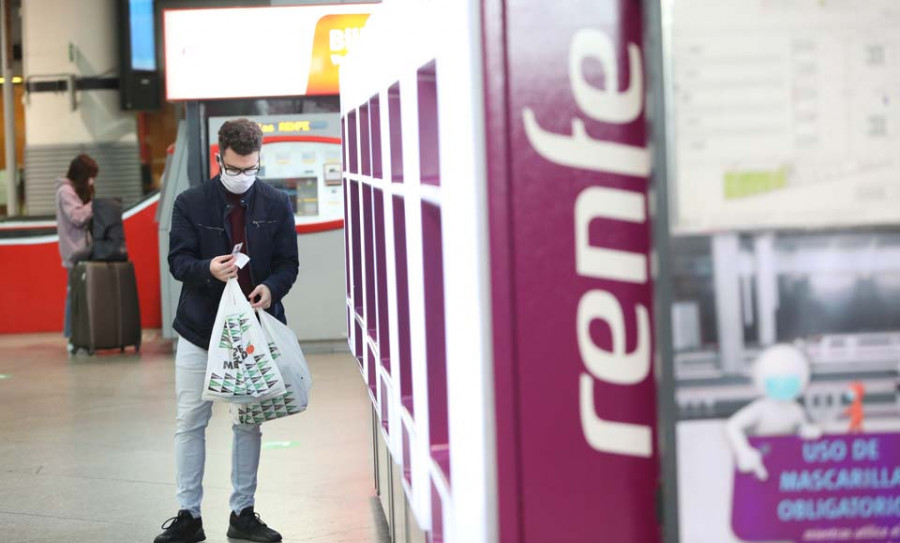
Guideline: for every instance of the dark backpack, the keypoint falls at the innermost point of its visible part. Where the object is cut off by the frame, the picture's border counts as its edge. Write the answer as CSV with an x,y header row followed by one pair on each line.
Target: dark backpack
x,y
107,231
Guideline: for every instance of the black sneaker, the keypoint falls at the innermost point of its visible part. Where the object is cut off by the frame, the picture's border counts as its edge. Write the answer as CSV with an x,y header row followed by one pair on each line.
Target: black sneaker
x,y
250,527
182,529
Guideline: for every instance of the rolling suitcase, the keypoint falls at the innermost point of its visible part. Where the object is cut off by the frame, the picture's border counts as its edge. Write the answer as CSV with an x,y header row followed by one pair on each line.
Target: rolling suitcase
x,y
105,310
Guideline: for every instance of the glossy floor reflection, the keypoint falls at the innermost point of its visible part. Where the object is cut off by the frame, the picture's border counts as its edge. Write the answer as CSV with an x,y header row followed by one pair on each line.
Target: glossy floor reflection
x,y
86,451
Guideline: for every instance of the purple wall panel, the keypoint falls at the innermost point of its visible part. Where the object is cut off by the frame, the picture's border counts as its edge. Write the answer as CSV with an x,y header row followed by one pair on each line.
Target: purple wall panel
x,y
437,516
435,339
562,478
404,356
360,345
396,136
372,372
429,155
407,454
375,132
352,142
369,221
364,140
356,247
385,414
347,220
344,149
384,343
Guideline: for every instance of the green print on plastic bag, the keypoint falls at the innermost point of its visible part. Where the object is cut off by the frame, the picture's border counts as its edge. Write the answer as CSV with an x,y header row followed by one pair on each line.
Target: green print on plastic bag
x,y
274,350
233,331
233,339
276,408
238,378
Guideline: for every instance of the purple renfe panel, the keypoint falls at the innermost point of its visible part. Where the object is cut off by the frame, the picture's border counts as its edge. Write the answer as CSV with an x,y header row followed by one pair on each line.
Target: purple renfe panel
x,y
364,143
405,355
396,129
568,169
352,142
375,134
429,157
384,343
369,221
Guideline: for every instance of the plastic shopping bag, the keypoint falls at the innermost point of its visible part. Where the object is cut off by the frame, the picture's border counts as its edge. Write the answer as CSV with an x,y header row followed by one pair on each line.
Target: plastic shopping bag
x,y
240,367
289,358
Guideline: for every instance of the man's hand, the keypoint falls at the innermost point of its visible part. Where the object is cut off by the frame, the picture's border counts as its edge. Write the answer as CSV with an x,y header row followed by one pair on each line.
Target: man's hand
x,y
223,267
265,297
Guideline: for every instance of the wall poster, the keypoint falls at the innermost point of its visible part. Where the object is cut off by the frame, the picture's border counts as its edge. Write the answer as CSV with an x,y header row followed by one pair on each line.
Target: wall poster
x,y
783,287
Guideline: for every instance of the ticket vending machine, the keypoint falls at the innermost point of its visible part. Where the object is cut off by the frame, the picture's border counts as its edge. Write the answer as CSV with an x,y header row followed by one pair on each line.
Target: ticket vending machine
x,y
301,155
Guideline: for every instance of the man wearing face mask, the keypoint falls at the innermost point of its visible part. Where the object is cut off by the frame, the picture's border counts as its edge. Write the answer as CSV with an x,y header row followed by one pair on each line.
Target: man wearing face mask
x,y
207,222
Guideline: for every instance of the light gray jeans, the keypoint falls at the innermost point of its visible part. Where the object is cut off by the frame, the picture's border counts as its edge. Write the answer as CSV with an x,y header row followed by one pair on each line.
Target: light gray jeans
x,y
190,437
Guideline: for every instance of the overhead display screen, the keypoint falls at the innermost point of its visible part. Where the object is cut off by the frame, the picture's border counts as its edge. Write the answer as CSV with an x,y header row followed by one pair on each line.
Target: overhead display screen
x,y
258,52
143,42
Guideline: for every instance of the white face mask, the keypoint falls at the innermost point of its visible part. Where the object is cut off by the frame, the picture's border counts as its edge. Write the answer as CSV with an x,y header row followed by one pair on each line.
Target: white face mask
x,y
237,184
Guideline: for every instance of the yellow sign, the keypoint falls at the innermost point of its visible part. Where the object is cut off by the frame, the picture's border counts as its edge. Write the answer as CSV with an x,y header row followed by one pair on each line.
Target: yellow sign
x,y
293,126
285,127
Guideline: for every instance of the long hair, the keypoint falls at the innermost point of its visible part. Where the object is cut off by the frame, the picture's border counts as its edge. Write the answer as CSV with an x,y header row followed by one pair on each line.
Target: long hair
x,y
81,169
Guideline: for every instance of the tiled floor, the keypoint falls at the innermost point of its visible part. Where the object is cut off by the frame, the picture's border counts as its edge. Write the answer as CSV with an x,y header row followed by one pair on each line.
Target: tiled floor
x,y
86,451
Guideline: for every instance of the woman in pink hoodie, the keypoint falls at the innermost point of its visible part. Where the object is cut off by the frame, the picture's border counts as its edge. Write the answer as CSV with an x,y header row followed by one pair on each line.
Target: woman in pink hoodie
x,y
73,214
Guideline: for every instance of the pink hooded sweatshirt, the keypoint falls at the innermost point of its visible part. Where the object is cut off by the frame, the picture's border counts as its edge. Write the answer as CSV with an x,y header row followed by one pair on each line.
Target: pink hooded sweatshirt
x,y
72,216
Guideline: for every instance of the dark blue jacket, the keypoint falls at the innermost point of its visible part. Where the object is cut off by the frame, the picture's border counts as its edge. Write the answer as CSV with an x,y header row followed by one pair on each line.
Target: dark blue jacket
x,y
201,231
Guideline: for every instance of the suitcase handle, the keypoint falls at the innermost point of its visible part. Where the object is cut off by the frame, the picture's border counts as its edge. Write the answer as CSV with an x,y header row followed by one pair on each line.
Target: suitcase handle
x,y
117,289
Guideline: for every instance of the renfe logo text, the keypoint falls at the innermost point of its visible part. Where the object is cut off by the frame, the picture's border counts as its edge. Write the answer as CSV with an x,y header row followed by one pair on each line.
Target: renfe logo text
x,y
616,366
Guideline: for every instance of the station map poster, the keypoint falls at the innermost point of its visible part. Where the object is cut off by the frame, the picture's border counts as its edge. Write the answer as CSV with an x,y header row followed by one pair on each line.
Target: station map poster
x,y
783,113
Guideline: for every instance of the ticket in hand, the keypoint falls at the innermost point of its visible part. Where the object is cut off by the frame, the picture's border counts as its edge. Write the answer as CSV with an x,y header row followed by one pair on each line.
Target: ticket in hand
x,y
242,259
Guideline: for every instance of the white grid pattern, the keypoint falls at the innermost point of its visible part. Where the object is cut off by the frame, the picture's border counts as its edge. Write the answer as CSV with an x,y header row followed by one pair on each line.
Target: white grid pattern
x,y
413,193
399,42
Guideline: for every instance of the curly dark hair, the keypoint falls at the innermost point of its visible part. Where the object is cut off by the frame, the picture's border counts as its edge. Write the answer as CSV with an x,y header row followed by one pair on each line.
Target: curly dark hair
x,y
242,136
81,169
